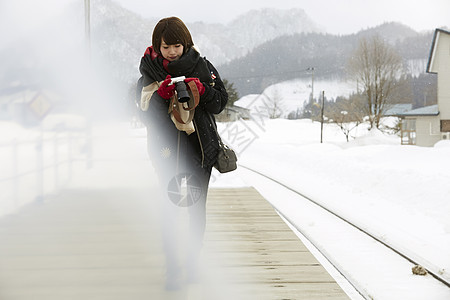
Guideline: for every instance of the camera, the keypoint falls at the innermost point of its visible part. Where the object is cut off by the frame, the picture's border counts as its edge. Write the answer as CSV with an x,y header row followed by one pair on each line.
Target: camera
x,y
180,86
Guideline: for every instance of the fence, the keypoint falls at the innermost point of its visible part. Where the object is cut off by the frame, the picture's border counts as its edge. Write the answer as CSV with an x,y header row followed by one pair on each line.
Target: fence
x,y
34,167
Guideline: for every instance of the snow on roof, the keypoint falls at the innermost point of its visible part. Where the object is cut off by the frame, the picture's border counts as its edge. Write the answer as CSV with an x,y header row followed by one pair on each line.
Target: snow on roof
x,y
432,110
398,109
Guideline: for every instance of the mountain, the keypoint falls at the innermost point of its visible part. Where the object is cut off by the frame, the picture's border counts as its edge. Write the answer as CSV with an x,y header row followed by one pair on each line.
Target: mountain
x,y
123,36
256,49
273,62
223,43
392,32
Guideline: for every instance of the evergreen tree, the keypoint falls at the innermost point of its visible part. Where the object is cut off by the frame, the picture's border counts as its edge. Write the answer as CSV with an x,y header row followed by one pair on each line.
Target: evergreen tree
x,y
232,93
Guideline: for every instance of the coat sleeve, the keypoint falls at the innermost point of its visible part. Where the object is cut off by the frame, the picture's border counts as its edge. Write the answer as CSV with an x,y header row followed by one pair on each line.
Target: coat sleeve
x,y
146,95
152,107
215,97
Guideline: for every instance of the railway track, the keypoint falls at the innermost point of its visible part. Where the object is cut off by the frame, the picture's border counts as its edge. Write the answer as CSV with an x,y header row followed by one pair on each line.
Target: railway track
x,y
415,260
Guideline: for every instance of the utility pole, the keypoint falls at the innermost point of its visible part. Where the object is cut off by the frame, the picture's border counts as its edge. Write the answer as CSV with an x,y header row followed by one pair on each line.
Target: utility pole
x,y
87,31
321,119
87,25
312,82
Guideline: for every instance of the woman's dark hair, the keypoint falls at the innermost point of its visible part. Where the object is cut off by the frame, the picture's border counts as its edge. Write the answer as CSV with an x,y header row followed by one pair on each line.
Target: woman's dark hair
x,y
173,31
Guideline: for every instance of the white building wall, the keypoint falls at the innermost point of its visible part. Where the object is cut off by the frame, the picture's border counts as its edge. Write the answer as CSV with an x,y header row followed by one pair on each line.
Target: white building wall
x,y
427,131
442,67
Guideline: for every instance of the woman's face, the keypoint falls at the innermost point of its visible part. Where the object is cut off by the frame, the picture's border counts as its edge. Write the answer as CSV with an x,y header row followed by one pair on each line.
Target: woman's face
x,y
171,52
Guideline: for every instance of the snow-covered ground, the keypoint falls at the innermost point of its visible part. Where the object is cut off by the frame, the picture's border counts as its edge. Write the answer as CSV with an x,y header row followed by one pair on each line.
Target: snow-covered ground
x,y
63,139
400,193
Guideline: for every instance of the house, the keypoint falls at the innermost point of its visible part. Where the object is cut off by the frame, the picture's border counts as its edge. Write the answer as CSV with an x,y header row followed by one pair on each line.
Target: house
x,y
421,126
427,125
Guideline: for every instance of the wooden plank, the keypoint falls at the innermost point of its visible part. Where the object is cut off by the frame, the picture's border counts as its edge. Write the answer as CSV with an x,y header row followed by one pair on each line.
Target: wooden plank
x,y
264,258
255,245
257,255
106,244
271,291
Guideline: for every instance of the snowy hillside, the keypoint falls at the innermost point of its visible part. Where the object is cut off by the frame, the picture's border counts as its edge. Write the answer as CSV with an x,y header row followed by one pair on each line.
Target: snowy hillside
x,y
258,26
291,95
223,43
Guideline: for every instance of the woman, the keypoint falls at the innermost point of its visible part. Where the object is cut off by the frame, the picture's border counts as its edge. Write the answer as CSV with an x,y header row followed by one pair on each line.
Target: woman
x,y
180,152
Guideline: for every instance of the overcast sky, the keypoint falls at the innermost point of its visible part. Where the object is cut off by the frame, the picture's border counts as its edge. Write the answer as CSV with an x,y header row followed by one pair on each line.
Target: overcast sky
x,y
336,16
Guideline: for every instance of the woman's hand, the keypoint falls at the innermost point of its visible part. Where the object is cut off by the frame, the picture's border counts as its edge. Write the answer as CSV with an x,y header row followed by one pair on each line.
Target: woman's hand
x,y
165,90
200,86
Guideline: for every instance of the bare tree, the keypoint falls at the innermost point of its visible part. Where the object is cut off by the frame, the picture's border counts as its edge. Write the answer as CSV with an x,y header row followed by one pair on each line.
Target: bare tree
x,y
347,114
376,66
274,104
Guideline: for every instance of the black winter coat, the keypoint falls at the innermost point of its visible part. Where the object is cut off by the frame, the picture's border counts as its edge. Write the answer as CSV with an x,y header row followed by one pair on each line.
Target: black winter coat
x,y
164,140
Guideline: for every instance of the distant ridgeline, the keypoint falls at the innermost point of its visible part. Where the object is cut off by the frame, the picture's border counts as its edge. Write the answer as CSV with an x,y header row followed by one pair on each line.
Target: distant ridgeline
x,y
255,50
290,56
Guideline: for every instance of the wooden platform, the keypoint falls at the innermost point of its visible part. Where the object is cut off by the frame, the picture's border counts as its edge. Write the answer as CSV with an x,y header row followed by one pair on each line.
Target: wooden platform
x,y
257,255
106,244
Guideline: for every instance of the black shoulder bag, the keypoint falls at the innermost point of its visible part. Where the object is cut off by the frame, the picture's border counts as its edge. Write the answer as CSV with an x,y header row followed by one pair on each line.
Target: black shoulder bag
x,y
226,159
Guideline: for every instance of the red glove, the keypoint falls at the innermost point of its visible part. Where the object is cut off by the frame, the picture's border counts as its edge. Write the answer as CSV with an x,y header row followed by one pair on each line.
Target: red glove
x,y
165,90
200,86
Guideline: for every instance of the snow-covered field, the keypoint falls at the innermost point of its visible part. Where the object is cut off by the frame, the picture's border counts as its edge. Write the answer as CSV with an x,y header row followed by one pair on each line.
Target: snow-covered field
x,y
400,193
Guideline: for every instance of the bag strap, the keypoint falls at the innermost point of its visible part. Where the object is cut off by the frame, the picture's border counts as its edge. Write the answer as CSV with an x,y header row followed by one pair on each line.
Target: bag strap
x,y
222,145
195,94
177,116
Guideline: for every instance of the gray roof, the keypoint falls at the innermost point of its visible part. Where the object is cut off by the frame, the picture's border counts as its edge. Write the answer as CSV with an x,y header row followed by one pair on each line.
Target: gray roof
x,y
432,110
397,109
